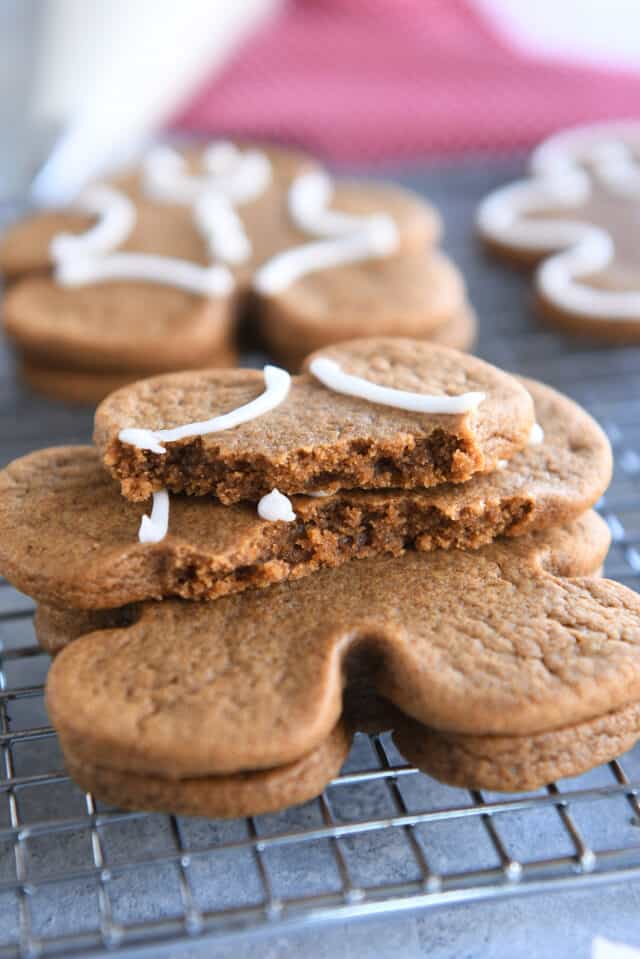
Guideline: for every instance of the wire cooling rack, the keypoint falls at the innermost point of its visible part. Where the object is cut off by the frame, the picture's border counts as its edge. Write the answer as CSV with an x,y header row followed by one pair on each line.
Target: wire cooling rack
x,y
78,878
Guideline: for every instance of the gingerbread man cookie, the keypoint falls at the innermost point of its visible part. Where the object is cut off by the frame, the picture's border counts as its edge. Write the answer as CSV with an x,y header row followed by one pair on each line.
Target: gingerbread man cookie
x,y
151,271
578,214
493,643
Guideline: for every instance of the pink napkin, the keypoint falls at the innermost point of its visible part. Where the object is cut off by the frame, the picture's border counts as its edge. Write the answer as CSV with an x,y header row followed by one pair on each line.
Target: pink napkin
x,y
391,80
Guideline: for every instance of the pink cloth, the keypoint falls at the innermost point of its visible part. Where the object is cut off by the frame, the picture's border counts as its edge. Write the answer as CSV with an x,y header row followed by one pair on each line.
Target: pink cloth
x,y
392,80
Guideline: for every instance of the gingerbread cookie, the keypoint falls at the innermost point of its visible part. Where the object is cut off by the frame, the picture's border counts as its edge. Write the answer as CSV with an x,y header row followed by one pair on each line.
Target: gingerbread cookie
x,y
135,282
116,327
411,295
299,629
149,272
90,387
577,212
368,414
68,538
151,211
255,682
56,627
518,763
244,793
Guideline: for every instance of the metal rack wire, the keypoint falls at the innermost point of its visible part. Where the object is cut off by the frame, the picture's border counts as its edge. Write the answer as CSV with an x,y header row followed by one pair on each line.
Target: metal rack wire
x,y
78,878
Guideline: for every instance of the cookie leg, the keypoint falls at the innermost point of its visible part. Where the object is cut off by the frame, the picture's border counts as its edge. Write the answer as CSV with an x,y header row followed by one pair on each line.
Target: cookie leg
x,y
248,793
518,763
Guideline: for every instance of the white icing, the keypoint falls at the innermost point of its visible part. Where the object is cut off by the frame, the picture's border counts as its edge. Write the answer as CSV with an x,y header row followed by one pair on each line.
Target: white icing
x,y
536,435
500,216
277,383
222,227
321,493
232,178
334,378
560,182
502,464
602,948
89,258
344,237
81,269
378,239
610,149
154,528
240,176
275,507
309,197
116,219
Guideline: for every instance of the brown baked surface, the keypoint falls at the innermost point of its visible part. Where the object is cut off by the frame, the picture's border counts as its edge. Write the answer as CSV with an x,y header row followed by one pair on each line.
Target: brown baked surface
x,y
412,295
55,627
458,333
89,387
248,793
114,326
484,642
68,538
519,763
318,439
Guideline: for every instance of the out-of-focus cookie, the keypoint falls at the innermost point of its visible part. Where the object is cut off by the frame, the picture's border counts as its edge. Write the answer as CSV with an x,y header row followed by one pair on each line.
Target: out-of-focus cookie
x,y
115,327
577,213
414,295
90,387
152,271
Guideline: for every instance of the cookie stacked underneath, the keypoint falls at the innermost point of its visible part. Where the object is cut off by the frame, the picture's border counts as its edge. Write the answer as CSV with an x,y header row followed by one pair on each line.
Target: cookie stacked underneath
x,y
400,537
157,269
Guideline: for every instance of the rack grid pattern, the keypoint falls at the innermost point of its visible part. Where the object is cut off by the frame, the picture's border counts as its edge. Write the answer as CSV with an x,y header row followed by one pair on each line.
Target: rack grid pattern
x,y
80,878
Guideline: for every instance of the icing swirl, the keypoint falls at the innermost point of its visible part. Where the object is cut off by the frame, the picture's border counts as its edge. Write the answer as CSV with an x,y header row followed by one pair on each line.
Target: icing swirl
x,y
343,237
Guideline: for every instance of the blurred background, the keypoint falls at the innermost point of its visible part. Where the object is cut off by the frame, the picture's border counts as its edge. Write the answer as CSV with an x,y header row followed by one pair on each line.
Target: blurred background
x,y
445,97
366,82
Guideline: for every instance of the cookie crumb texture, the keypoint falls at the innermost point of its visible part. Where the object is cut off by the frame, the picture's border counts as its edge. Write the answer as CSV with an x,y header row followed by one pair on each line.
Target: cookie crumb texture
x,y
68,538
317,439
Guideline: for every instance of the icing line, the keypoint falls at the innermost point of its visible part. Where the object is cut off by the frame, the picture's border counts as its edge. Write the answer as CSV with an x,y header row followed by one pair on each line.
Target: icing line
x,y
232,178
275,506
241,177
560,182
334,378
309,198
146,267
344,237
116,219
222,227
379,239
277,383
154,528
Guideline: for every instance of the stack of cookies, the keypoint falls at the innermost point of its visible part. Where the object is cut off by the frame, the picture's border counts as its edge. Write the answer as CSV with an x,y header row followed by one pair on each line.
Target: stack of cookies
x,y
249,566
155,270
